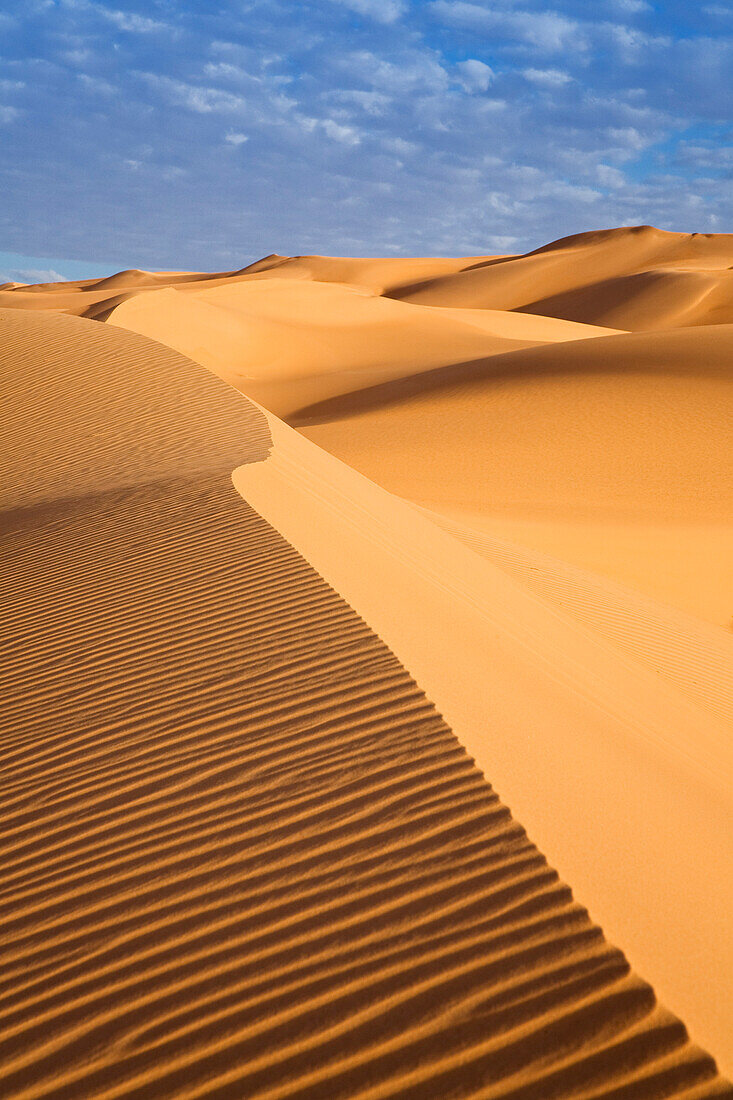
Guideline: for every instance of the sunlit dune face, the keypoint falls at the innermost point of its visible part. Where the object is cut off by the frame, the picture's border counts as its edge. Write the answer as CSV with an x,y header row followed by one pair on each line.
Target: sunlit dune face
x,y
297,560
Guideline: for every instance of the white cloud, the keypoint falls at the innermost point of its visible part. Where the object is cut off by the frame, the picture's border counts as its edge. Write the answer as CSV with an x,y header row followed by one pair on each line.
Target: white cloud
x,y
708,157
76,57
96,84
223,70
635,44
549,78
474,75
607,176
546,30
628,137
632,6
235,138
561,189
503,244
346,135
383,11
32,275
8,114
372,103
399,146
417,71
136,24
195,97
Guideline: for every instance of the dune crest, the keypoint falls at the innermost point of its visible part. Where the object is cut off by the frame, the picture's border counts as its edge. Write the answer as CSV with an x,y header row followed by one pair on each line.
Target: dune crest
x,y
255,674
639,278
617,747
641,420
287,343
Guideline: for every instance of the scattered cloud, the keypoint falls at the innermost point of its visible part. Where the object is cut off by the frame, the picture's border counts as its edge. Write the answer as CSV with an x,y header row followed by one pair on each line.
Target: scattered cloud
x,y
384,11
705,156
608,176
547,30
96,84
347,135
31,276
195,97
417,71
400,147
370,125
372,103
632,6
549,78
135,24
474,75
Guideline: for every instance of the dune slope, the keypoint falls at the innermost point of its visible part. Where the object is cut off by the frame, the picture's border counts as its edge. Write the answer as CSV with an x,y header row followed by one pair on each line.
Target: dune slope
x,y
286,342
623,766
242,853
637,278
86,297
589,440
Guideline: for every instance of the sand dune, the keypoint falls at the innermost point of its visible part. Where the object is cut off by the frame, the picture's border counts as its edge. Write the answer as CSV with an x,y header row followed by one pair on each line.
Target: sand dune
x,y
376,275
638,278
243,852
579,729
382,276
688,651
630,279
287,342
294,339
596,435
243,855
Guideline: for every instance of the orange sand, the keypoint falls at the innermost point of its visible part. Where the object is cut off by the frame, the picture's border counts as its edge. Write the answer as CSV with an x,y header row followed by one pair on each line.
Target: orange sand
x,y
243,855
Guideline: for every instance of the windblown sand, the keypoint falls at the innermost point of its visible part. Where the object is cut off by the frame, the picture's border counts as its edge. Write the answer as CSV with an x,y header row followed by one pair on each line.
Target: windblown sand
x,y
245,850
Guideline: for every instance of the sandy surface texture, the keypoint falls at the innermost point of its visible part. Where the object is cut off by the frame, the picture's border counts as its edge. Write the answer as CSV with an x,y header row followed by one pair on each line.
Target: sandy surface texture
x,y
297,560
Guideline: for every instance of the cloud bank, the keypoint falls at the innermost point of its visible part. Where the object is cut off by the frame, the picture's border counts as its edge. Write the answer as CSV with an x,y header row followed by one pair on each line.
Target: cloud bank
x,y
199,135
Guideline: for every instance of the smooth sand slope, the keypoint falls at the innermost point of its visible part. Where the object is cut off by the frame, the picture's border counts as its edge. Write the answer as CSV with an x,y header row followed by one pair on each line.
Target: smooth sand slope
x,y
92,297
604,713
242,853
287,342
288,339
638,278
612,453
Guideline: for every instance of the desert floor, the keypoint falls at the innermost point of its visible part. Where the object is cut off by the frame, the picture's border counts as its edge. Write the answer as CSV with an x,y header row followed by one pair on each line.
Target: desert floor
x,y
297,560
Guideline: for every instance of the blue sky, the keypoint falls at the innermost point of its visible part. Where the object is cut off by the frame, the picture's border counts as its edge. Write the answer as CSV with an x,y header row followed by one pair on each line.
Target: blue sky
x,y
204,134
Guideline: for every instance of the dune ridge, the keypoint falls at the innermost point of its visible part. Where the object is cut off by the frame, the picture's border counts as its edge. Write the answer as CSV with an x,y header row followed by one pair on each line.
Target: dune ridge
x,y
624,432
287,342
638,278
242,852
645,766
300,857
635,278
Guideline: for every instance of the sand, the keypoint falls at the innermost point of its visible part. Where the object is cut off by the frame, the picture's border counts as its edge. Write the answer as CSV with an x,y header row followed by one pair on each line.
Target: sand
x,y
257,679
638,278
580,449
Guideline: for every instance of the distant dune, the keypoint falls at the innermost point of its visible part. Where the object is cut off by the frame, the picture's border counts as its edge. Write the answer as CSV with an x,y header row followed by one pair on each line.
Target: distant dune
x,y
297,558
637,279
